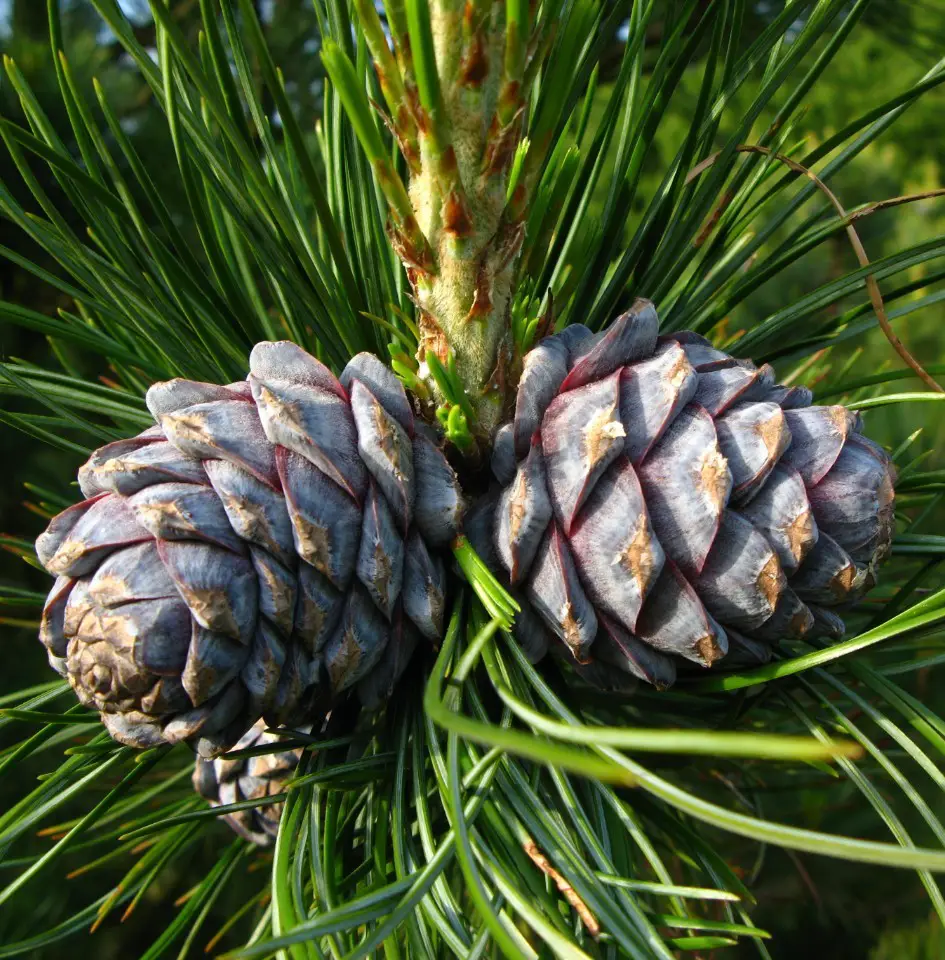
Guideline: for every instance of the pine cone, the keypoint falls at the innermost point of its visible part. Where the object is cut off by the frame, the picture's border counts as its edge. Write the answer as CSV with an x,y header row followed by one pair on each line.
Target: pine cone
x,y
222,781
662,499
264,536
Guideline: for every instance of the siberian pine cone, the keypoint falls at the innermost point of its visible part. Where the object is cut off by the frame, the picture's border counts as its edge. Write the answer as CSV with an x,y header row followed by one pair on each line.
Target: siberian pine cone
x,y
264,537
662,499
223,781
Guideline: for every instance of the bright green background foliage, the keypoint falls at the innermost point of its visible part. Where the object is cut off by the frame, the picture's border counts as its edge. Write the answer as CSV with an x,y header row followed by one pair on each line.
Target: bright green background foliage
x,y
808,903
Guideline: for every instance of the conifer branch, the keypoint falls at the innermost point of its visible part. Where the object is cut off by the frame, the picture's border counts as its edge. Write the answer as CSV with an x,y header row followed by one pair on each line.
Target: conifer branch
x,y
342,73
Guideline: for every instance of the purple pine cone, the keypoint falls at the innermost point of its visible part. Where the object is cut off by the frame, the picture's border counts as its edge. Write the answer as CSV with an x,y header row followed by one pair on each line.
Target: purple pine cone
x,y
246,556
223,781
663,500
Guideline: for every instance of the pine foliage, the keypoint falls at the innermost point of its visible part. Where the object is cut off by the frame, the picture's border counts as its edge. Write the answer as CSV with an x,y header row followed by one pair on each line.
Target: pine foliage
x,y
494,808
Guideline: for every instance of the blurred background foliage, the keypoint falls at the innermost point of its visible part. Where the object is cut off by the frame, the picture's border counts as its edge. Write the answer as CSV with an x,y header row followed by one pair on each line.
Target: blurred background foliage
x,y
836,910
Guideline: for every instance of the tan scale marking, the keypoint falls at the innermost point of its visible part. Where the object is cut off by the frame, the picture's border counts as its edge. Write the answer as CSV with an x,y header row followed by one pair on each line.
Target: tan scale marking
x,y
709,649
314,616
388,439
74,617
770,580
108,656
800,535
116,629
517,505
637,557
202,672
212,606
382,570
571,628
713,476
314,543
600,434
289,412
99,678
437,601
842,582
841,420
189,426
347,657
773,434
252,519
282,594
151,702
676,375
111,590
119,465
800,623
169,513
69,551
886,494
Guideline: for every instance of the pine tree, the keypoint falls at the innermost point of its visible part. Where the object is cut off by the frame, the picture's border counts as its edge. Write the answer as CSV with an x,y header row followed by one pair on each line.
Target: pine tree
x,y
467,208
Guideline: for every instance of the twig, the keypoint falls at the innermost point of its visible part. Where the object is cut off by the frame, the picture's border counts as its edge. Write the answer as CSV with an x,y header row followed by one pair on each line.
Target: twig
x,y
565,888
876,298
877,205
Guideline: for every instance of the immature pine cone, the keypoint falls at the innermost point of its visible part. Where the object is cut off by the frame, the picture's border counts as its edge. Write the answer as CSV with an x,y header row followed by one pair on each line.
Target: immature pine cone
x,y
663,498
262,533
223,781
